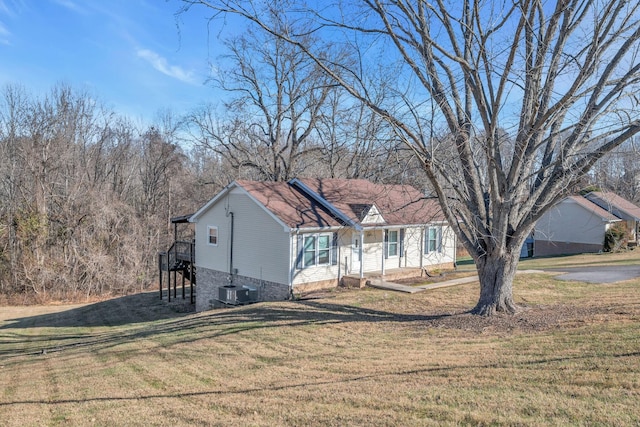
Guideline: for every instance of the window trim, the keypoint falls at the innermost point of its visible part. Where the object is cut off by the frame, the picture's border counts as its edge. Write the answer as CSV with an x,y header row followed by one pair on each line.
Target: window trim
x,y
313,250
390,243
329,250
217,236
438,239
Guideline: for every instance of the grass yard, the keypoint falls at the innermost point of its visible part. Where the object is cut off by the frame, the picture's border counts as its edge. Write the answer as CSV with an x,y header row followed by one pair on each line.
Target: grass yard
x,y
622,258
354,357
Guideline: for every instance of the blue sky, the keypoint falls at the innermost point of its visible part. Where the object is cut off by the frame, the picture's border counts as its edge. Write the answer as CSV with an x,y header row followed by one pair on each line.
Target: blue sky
x,y
127,53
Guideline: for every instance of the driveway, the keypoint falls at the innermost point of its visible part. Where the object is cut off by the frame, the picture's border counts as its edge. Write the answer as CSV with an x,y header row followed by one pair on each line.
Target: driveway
x,y
598,274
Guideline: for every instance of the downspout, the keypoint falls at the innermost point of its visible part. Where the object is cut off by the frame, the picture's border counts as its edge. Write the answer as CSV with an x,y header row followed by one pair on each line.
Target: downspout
x,y
292,257
231,249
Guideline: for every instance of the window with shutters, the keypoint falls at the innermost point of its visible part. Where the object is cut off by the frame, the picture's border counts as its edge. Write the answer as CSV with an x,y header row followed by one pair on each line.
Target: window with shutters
x,y
392,243
317,249
433,240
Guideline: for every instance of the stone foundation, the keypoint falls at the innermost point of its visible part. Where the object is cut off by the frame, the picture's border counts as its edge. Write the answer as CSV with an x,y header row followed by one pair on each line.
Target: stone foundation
x,y
210,281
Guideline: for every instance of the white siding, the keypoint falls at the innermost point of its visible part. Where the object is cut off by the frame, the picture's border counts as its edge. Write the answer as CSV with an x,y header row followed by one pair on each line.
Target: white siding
x,y
372,250
412,247
260,247
208,256
373,216
448,252
568,222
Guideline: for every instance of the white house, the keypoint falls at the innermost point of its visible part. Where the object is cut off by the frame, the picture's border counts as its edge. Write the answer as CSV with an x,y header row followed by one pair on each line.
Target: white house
x,y
574,225
271,240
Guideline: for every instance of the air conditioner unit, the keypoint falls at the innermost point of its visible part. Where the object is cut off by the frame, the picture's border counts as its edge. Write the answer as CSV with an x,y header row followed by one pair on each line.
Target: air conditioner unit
x,y
253,293
233,295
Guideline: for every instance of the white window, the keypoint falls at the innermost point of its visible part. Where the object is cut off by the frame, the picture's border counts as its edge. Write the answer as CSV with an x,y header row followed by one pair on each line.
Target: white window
x,y
309,250
324,247
433,240
213,235
316,249
392,243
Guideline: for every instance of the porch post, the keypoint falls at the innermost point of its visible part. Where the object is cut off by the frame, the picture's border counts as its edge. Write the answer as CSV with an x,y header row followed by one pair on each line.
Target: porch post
x,y
384,248
192,260
337,255
422,247
184,271
361,254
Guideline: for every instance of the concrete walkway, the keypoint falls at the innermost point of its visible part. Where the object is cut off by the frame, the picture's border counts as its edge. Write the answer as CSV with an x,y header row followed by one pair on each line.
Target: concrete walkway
x,y
383,284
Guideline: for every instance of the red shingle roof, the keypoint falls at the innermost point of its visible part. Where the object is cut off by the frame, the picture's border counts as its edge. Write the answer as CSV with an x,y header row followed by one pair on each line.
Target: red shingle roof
x,y
398,204
611,201
289,205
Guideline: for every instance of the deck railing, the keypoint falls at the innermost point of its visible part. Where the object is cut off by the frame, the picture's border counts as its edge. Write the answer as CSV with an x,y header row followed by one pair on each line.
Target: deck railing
x,y
179,257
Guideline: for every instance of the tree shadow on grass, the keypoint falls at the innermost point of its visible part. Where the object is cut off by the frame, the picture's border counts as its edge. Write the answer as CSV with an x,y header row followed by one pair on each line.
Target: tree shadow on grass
x,y
388,374
144,316
125,310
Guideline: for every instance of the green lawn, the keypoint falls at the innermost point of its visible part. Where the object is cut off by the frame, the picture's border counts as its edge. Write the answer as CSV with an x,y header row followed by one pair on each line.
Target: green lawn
x,y
356,357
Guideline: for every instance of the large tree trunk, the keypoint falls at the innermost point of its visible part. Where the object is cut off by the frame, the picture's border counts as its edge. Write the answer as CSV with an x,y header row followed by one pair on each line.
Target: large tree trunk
x,y
496,271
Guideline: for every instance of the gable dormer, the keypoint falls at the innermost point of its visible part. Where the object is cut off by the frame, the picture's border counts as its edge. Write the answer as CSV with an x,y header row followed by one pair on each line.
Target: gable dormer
x,y
372,215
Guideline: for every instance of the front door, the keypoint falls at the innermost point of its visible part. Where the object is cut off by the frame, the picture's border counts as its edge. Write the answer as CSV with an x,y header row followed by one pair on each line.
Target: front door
x,y
355,254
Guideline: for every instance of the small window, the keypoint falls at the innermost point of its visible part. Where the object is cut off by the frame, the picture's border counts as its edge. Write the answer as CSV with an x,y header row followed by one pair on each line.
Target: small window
x,y
392,243
433,240
213,235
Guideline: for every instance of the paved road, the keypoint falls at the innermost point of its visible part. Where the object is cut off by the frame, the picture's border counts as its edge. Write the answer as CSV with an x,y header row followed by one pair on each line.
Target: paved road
x,y
599,274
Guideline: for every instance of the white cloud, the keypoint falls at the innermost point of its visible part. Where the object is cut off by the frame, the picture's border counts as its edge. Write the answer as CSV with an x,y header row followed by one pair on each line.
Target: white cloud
x,y
70,5
161,64
4,8
4,35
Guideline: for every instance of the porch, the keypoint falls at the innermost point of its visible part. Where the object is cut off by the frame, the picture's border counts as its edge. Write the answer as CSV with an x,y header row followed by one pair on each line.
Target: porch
x,y
389,275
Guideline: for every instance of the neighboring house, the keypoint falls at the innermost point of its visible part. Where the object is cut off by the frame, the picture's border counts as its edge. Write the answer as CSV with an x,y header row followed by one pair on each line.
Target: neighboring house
x,y
276,239
621,208
574,225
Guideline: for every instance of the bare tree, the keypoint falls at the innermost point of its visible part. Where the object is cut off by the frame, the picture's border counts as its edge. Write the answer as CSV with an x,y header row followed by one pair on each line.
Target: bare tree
x,y
85,198
619,171
278,94
352,140
560,77
13,121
